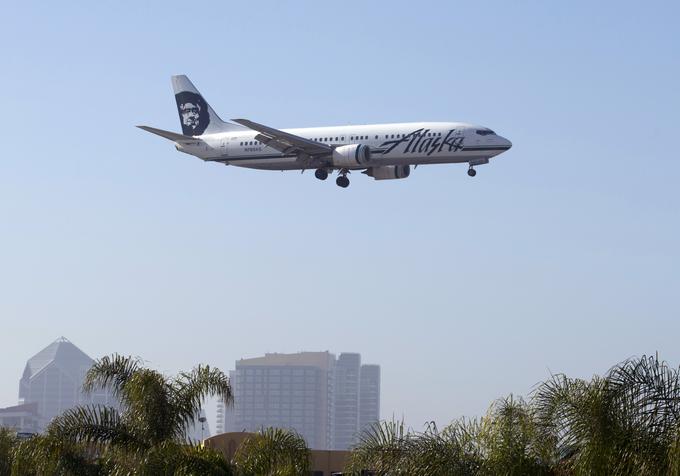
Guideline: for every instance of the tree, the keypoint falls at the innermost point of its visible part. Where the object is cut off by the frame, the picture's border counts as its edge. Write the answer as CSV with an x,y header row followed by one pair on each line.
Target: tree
x,y
149,432
625,423
510,442
273,452
7,442
503,442
384,447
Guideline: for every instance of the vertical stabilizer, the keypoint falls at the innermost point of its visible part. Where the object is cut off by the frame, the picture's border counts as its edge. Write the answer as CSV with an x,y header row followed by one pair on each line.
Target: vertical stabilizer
x,y
195,114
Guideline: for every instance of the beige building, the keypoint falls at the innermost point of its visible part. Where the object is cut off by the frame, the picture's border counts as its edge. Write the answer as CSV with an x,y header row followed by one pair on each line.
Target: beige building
x,y
327,400
293,391
324,462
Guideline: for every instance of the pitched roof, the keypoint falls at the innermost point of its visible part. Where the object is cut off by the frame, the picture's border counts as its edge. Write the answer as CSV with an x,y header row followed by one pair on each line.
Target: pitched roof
x,y
61,352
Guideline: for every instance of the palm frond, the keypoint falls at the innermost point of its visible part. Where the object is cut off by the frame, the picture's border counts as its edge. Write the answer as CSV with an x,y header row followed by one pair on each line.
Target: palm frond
x,y
149,408
273,451
382,447
94,424
45,454
8,441
190,389
111,372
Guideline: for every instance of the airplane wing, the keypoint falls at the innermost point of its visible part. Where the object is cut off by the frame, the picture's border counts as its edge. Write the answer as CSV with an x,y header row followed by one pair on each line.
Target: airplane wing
x,y
285,142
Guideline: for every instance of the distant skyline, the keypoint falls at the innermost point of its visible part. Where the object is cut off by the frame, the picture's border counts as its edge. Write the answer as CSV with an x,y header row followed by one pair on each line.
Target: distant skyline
x,y
559,256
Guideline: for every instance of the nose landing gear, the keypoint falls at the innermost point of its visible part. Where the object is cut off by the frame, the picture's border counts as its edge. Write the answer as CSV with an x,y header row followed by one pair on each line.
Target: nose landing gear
x,y
472,172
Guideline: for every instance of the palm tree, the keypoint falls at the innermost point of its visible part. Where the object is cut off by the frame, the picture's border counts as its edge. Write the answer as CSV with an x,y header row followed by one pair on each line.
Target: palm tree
x,y
451,452
152,423
625,423
47,454
273,452
384,447
510,441
8,441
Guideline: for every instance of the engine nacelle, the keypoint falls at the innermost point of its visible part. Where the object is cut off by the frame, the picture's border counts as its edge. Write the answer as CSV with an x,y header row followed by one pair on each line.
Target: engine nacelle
x,y
389,172
352,155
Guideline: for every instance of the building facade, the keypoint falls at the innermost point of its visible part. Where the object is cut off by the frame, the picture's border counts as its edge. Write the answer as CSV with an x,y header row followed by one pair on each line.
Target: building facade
x,y
369,395
53,380
347,370
21,418
312,393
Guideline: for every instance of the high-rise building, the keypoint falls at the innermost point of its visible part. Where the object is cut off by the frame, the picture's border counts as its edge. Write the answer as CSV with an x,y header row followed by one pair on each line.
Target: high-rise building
x,y
369,396
286,391
347,370
313,393
225,414
53,379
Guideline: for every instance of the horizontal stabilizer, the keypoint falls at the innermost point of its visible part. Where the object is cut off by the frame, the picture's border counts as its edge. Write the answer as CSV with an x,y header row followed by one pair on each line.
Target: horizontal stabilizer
x,y
173,136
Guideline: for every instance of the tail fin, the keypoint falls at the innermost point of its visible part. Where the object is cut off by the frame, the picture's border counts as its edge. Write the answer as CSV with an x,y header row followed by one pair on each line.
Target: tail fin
x,y
195,114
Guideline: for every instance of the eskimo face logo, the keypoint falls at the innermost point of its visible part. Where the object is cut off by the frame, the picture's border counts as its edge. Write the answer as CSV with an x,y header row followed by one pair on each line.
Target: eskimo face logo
x,y
193,113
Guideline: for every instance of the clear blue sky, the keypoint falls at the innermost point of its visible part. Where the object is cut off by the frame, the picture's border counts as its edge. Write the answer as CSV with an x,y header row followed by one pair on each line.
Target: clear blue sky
x,y
560,256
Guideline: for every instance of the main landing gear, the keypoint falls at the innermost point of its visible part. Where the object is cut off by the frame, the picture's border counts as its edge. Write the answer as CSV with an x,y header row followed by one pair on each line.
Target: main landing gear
x,y
342,181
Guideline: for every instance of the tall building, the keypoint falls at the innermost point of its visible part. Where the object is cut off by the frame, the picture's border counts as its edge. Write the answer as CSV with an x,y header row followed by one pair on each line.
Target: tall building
x,y
53,379
347,371
313,393
286,391
369,395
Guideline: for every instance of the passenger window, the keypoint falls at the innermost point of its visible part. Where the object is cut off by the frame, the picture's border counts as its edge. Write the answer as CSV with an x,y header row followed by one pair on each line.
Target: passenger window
x,y
376,137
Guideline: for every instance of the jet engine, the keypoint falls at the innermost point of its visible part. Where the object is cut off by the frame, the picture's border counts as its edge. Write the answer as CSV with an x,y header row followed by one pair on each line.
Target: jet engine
x,y
389,172
352,155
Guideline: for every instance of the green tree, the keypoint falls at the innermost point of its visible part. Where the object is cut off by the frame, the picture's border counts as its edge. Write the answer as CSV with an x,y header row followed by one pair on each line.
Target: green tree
x,y
8,441
385,447
510,442
454,451
273,452
625,423
148,434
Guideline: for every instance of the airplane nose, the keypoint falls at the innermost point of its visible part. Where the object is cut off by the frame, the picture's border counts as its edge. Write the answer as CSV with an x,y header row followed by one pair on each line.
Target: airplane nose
x,y
506,143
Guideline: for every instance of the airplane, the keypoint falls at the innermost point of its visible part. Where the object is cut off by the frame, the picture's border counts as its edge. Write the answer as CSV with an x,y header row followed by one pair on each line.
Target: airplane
x,y
381,151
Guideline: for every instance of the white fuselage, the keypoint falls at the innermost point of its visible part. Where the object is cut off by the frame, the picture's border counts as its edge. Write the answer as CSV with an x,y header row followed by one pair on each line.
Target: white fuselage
x,y
390,144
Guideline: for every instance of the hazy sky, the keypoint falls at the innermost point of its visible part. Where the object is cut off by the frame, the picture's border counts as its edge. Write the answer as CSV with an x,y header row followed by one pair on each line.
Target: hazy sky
x,y
560,256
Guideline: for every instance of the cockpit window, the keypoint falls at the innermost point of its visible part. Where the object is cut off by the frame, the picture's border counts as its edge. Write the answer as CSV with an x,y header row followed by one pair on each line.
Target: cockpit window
x,y
485,132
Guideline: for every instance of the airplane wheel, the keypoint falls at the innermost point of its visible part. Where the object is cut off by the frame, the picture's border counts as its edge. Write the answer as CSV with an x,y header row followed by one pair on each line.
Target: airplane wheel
x,y
472,172
342,181
321,174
